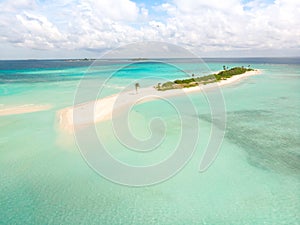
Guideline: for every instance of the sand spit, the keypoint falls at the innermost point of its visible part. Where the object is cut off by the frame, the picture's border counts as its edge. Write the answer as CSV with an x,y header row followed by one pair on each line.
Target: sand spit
x,y
103,108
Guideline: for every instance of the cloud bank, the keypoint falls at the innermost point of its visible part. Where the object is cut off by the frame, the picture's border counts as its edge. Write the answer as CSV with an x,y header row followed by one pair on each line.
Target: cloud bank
x,y
200,26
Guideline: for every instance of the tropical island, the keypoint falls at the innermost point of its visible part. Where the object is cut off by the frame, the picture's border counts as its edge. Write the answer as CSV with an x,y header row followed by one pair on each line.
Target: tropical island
x,y
104,107
203,80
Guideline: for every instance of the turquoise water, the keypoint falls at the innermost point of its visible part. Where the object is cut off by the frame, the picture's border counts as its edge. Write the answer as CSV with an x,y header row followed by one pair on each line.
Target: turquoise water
x,y
254,180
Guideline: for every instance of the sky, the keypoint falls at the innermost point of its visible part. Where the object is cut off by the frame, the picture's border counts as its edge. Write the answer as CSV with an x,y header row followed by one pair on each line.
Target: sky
x,y
45,29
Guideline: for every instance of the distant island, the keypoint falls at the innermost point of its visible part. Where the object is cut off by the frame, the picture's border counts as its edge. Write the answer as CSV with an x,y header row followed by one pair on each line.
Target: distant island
x,y
80,60
203,80
94,59
139,59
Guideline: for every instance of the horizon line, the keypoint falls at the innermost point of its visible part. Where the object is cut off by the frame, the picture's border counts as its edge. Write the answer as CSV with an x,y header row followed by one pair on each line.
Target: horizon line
x,y
150,58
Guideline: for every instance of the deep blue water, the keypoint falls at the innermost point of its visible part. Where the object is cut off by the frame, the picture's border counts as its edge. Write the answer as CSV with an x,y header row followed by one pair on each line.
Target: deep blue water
x,y
32,71
64,63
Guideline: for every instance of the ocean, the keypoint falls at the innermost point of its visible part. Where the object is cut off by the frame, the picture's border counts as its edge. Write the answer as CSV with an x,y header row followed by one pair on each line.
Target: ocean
x,y
255,178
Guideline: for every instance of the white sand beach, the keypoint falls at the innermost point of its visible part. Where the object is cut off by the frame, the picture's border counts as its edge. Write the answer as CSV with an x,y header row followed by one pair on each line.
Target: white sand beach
x,y
22,109
104,108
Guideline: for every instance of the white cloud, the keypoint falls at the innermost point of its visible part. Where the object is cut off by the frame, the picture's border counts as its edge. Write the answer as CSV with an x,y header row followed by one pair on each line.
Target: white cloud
x,y
117,10
211,25
193,7
38,31
198,25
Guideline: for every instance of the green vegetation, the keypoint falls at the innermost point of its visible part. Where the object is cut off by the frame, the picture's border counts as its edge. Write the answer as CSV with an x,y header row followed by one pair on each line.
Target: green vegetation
x,y
195,81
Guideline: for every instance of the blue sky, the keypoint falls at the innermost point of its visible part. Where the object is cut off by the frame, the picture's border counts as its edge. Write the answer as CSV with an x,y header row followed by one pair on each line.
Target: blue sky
x,y
89,28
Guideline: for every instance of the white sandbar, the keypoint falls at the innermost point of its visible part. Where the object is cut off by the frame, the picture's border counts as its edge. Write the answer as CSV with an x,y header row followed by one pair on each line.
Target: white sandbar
x,y
103,108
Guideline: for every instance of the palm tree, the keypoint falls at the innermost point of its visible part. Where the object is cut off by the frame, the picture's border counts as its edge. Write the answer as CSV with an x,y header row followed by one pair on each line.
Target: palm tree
x,y
158,86
137,85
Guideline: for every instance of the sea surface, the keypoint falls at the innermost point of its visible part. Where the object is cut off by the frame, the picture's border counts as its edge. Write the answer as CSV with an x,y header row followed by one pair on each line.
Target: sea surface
x,y
255,179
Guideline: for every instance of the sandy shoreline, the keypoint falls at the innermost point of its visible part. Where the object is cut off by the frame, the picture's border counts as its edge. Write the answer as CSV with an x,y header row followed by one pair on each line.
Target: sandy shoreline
x,y
103,108
22,109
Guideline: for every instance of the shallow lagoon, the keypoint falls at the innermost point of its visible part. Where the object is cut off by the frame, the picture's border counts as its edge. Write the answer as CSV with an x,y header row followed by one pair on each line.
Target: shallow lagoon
x,y
254,180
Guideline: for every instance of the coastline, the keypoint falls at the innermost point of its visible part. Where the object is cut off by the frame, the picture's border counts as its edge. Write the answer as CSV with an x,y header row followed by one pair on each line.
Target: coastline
x,y
103,108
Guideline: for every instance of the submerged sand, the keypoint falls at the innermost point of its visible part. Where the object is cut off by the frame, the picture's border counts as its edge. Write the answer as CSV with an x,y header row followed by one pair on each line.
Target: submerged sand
x,y
22,109
103,108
